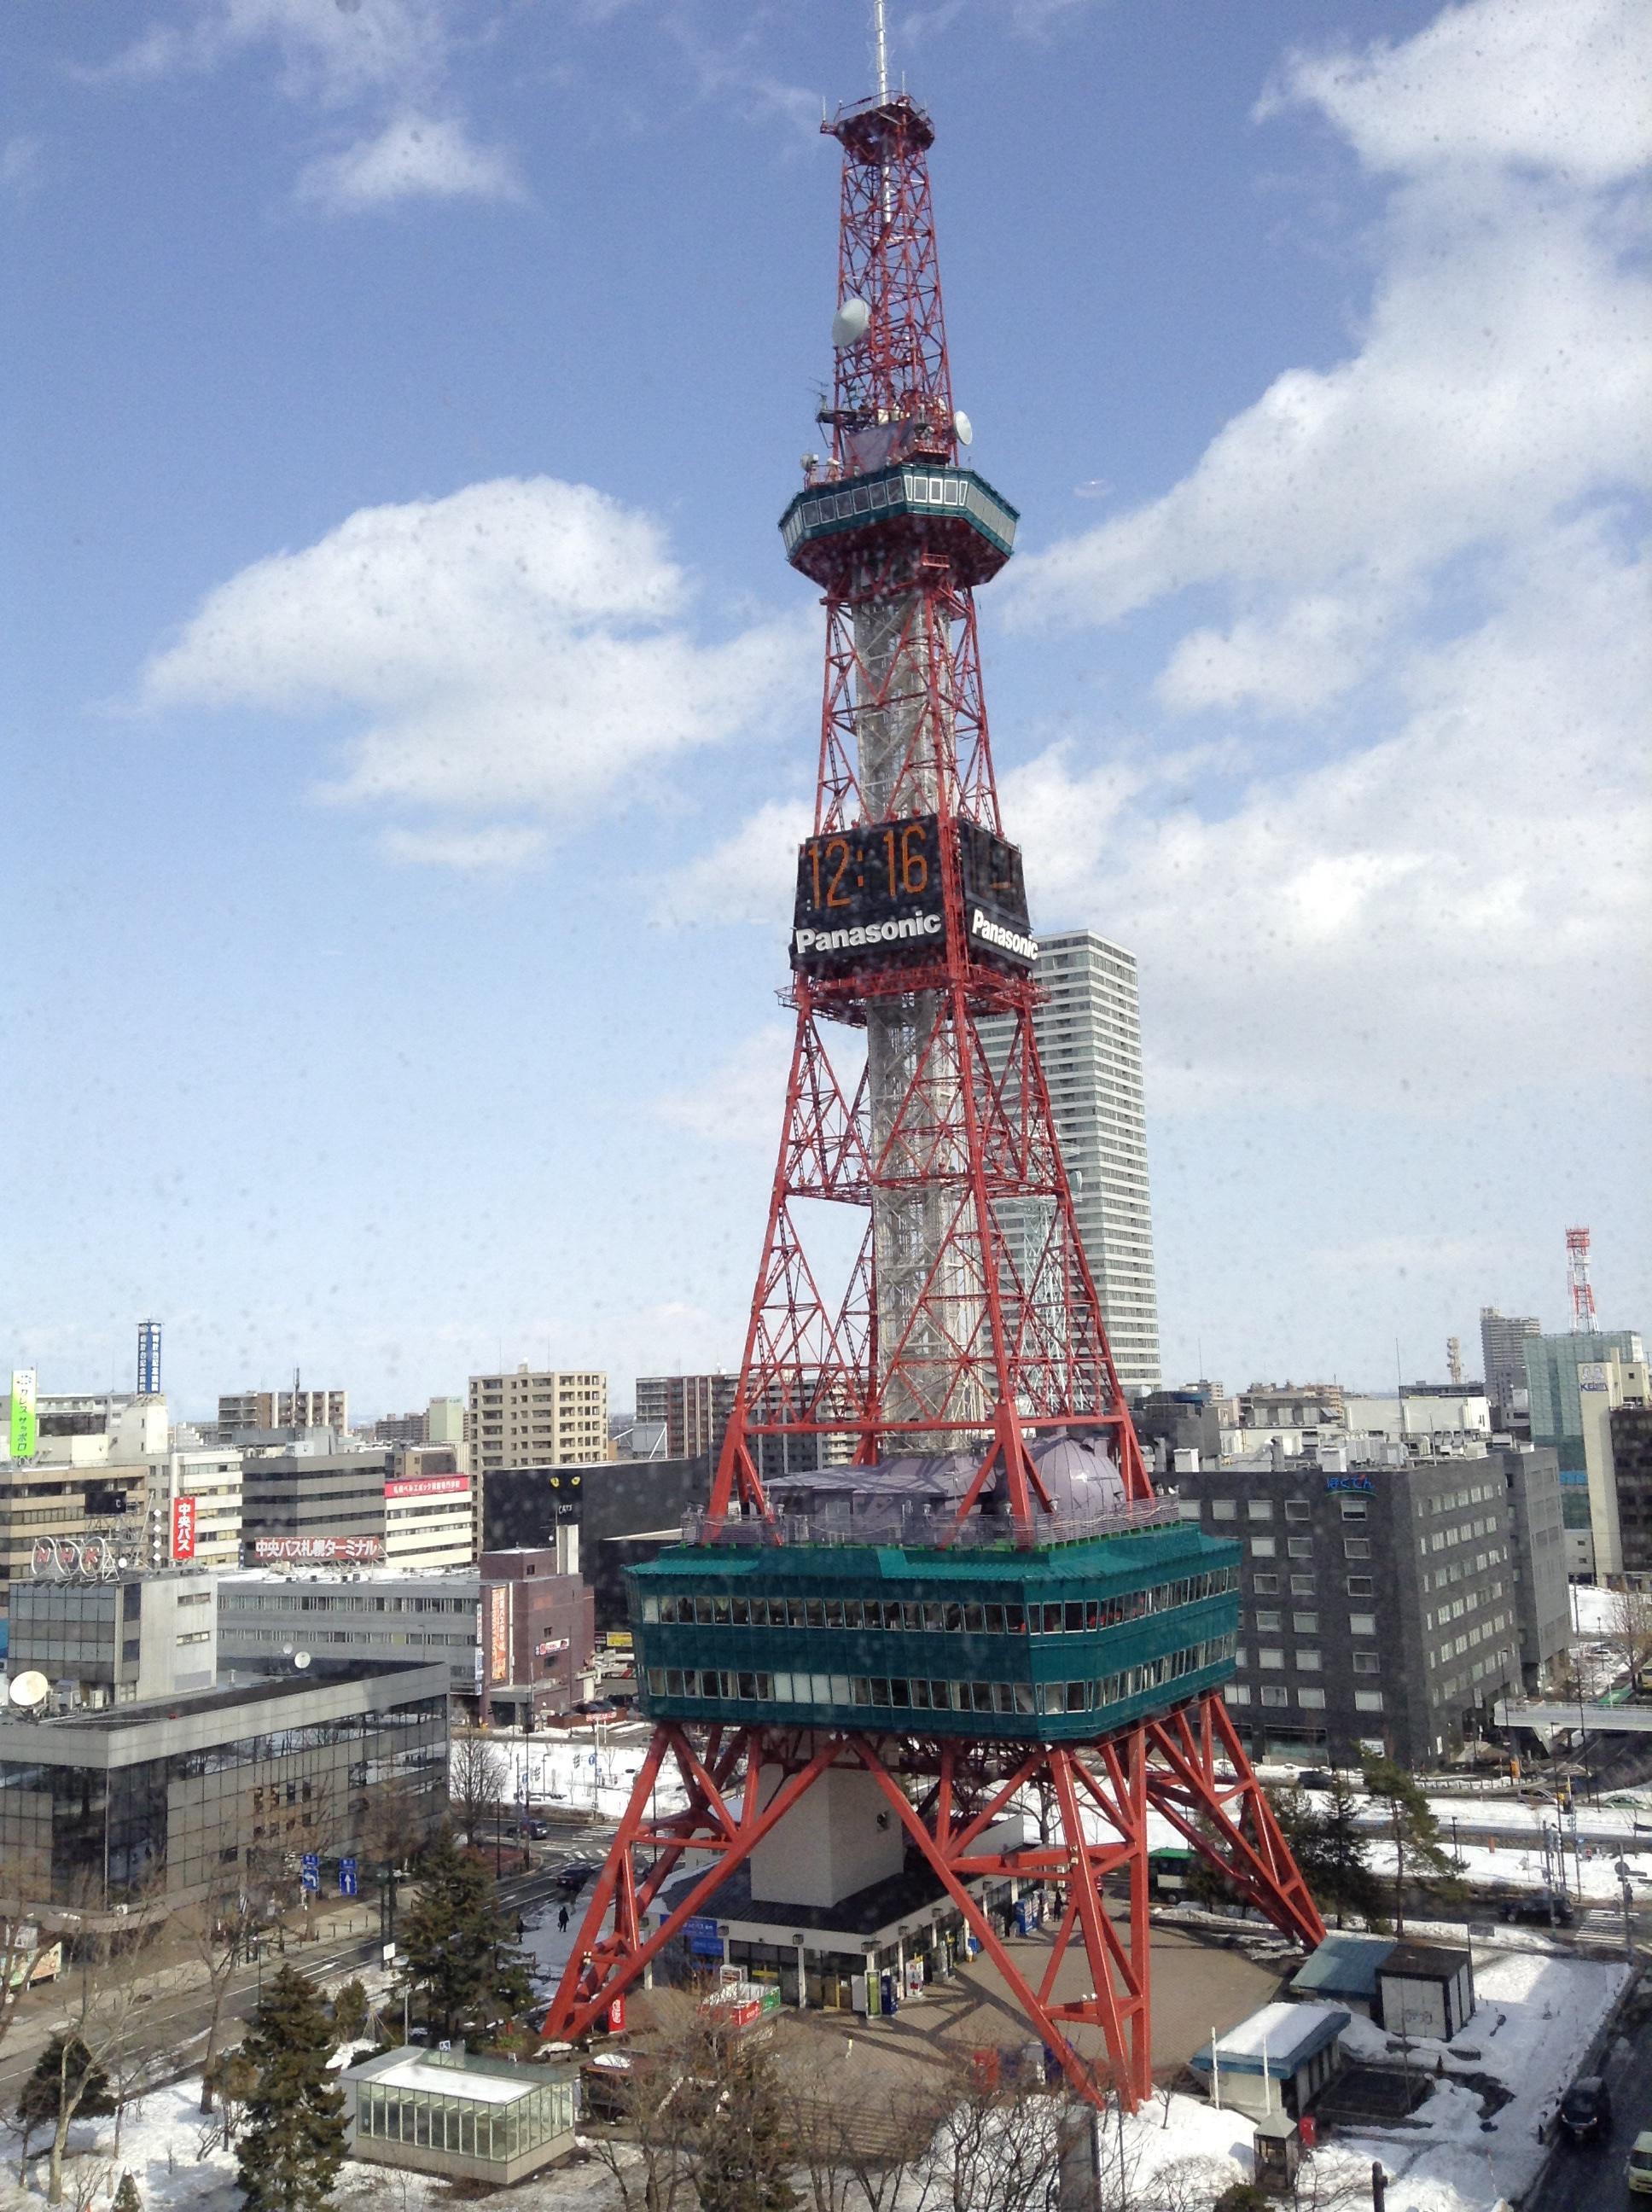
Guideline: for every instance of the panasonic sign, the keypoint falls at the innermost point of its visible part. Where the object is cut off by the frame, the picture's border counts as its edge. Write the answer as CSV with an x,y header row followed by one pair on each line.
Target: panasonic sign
x,y
812,943
983,928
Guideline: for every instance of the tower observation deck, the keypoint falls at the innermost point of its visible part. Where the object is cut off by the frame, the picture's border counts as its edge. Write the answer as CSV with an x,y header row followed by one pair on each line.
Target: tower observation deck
x,y
987,1604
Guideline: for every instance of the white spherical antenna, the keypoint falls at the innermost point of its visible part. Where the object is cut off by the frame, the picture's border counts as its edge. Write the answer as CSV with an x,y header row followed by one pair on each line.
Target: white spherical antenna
x,y
964,427
301,1659
29,1689
849,323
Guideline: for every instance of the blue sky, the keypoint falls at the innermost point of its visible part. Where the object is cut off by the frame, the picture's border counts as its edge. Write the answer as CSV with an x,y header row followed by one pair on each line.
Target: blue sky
x,y
411,713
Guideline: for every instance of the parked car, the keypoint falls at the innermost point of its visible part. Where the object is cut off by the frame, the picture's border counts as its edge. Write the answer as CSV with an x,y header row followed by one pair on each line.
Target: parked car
x,y
574,1876
1586,2110
1314,1778
1638,2173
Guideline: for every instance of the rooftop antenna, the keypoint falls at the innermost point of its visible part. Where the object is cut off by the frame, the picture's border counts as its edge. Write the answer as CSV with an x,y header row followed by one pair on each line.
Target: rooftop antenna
x,y
880,41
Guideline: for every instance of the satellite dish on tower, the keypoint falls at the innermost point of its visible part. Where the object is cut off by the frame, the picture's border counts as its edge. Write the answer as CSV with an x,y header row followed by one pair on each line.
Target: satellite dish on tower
x,y
300,1658
964,427
29,1689
849,323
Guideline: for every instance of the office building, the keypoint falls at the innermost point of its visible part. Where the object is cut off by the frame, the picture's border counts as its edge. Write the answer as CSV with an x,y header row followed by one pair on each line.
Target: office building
x,y
299,1408
1503,1358
1556,1396
537,1417
442,1422
1537,1528
194,1505
89,1475
1089,1033
1631,1438
113,1639
124,1813
538,1630
625,1510
694,1410
403,1505
1381,1609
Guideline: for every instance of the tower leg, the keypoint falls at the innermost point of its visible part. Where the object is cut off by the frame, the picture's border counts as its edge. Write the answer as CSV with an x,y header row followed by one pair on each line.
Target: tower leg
x,y
1226,1817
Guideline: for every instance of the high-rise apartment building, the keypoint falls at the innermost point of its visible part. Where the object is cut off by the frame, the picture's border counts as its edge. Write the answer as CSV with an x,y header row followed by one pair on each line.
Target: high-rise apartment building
x,y
1565,1375
537,1417
1090,1039
694,1408
1503,1338
285,1409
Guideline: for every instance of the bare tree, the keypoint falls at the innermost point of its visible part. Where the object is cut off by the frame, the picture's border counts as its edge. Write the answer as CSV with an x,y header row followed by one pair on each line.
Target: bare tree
x,y
102,2021
476,1780
1628,1632
21,1938
1000,2149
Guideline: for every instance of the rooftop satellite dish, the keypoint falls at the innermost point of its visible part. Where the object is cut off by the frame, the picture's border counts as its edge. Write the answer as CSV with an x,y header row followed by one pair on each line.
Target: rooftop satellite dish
x,y
300,1658
964,427
29,1689
849,323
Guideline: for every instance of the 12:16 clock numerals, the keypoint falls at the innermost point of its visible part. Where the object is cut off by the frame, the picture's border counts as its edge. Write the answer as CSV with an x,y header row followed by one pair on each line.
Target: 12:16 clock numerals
x,y
904,858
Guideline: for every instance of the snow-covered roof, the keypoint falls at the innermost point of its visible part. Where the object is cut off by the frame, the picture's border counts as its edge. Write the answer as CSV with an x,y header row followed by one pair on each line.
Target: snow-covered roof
x,y
1286,2035
454,2077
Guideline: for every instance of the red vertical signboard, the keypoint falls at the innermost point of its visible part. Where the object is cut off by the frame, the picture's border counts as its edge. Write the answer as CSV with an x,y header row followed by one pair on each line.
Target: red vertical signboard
x,y
183,1528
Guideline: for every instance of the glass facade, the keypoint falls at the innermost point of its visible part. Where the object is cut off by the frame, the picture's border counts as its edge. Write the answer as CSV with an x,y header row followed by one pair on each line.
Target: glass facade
x,y
408,2104
182,1824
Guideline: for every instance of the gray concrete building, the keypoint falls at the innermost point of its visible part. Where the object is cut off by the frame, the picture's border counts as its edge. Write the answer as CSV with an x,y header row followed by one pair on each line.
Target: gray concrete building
x,y
1503,1338
354,1614
1537,1527
114,1640
1382,1608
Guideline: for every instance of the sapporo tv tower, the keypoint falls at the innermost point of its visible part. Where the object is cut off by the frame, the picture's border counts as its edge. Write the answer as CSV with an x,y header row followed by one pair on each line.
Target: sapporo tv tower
x,y
856,1673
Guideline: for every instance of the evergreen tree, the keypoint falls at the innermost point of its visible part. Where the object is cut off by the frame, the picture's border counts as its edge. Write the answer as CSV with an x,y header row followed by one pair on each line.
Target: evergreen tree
x,y
462,1966
1330,1850
744,2148
66,2073
1412,1828
350,2014
293,2142
126,2197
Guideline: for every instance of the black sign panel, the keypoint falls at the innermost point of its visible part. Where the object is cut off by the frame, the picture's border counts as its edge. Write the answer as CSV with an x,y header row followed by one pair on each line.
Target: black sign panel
x,y
869,897
995,924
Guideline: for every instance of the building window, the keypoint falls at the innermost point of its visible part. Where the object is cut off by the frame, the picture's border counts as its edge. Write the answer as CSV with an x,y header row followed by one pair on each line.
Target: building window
x,y
1225,1509
1302,1586
1360,1586
1356,1509
1356,1547
1269,1620
1313,1700
1305,1623
1240,1657
1259,1509
1362,1624
1308,1662
1272,1696
1262,1548
1265,1585
1367,1662
1298,1509
1367,1701
1300,1548
1236,1693
1270,1655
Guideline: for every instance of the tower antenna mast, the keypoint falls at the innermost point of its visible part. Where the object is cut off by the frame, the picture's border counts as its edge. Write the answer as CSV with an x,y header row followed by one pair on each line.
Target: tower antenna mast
x,y
880,35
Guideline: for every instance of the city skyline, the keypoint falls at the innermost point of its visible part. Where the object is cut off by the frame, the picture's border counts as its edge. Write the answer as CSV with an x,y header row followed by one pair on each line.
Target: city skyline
x,y
422,710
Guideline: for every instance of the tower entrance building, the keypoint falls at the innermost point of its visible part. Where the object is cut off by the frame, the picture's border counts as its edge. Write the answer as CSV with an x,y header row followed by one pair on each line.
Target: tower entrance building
x,y
861,1672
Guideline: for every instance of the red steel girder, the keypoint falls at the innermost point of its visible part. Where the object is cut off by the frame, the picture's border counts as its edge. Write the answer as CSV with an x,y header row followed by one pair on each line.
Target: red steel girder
x,y
1189,1766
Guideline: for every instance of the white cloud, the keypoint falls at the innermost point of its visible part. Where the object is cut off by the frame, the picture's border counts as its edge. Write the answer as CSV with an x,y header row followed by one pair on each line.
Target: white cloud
x,y
1502,375
520,646
739,1101
501,850
750,877
1472,892
386,60
19,164
1557,84
414,157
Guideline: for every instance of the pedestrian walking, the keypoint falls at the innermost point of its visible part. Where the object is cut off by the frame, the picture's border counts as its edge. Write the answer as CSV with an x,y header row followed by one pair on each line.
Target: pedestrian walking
x,y
561,1919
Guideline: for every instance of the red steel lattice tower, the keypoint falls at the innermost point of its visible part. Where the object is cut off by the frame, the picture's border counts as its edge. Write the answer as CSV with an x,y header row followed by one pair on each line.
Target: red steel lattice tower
x,y
964,1329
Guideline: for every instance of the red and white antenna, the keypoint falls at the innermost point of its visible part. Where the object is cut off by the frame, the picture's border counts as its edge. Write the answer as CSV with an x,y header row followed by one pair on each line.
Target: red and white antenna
x,y
1578,1286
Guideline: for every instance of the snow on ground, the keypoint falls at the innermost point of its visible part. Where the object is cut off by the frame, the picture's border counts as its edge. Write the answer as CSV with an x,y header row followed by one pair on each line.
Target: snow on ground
x,y
1537,2014
591,1772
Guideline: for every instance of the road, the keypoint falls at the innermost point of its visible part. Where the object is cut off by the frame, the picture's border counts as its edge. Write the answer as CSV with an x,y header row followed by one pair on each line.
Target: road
x,y
1593,2180
178,2020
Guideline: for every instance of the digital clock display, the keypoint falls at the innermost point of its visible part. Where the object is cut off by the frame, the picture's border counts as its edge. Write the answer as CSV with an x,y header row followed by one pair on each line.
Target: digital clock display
x,y
869,897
